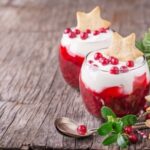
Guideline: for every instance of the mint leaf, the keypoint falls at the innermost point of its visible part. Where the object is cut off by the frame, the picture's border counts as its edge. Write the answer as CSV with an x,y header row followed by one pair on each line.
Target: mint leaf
x,y
105,129
122,141
139,45
118,126
106,111
110,139
129,120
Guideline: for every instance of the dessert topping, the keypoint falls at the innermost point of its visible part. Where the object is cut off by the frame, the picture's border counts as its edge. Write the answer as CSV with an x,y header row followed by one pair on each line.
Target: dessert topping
x,y
97,56
84,35
91,20
123,48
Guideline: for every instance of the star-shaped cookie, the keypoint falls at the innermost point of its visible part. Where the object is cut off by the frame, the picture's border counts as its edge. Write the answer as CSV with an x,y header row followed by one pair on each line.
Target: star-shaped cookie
x,y
123,48
91,20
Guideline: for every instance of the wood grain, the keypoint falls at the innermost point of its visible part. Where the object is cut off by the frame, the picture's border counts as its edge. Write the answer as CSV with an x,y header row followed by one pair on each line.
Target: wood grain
x,y
32,91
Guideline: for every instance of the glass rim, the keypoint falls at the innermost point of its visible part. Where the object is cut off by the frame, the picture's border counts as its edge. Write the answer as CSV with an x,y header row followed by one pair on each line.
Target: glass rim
x,y
131,69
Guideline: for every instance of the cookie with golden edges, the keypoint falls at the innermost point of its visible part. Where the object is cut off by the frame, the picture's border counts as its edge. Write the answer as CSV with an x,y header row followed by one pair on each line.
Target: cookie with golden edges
x,y
91,20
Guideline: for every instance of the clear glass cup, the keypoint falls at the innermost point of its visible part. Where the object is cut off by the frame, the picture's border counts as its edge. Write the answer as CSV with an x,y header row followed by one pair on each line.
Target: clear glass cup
x,y
124,92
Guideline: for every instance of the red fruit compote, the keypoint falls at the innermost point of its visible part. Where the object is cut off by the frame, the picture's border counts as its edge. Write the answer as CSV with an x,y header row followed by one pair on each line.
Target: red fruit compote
x,y
120,85
76,43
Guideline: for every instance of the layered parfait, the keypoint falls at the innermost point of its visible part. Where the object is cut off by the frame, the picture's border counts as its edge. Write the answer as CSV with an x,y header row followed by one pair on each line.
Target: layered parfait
x,y
117,77
91,33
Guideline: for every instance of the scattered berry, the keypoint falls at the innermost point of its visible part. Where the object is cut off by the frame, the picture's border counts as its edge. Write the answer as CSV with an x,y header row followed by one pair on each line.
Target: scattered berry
x,y
96,32
130,63
90,61
114,61
97,56
84,35
82,129
133,138
77,31
72,35
128,129
147,116
102,30
114,70
104,61
124,69
88,31
67,30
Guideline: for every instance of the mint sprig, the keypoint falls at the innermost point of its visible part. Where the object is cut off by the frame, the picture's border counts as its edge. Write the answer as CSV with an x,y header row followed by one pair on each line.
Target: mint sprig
x,y
144,45
114,126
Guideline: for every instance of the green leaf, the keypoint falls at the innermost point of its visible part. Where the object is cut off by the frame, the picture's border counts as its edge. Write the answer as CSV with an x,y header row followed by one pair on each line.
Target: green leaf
x,y
122,141
105,129
139,45
106,111
110,139
129,120
118,126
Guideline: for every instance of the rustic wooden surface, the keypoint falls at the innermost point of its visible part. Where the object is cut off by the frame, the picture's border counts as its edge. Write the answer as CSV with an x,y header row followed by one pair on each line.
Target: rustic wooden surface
x,y
32,90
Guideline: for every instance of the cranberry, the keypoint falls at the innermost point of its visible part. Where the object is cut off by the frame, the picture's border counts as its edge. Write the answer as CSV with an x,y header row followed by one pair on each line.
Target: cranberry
x,y
104,61
133,138
84,35
114,70
96,32
102,30
67,30
81,129
97,56
72,35
88,31
90,61
128,129
130,63
77,31
147,116
114,61
124,69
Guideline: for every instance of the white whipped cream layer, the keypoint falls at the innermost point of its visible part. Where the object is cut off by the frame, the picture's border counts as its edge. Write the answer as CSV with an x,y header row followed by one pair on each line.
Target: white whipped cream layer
x,y
80,47
99,78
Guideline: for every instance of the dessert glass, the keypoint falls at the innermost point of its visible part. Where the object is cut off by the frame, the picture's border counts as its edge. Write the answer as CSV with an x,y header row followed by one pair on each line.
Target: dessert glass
x,y
123,92
73,50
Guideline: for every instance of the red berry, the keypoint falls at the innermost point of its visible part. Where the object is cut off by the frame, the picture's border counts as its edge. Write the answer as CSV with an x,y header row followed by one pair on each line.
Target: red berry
x,y
67,30
124,69
114,70
114,61
147,116
128,129
90,61
77,31
96,32
102,30
84,35
81,129
104,61
97,56
72,35
88,31
130,63
133,138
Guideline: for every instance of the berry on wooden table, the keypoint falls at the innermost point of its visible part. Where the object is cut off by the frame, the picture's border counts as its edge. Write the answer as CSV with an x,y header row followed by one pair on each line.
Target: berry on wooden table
x,y
82,129
133,138
128,129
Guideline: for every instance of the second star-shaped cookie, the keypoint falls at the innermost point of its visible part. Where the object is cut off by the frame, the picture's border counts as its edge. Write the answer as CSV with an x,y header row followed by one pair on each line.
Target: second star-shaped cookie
x,y
123,48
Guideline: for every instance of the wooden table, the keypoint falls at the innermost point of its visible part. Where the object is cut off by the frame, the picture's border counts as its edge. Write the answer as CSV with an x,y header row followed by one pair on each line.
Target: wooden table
x,y
32,91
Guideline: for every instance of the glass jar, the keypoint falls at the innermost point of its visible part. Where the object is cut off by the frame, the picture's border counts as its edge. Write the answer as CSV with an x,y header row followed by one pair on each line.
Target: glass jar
x,y
123,92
